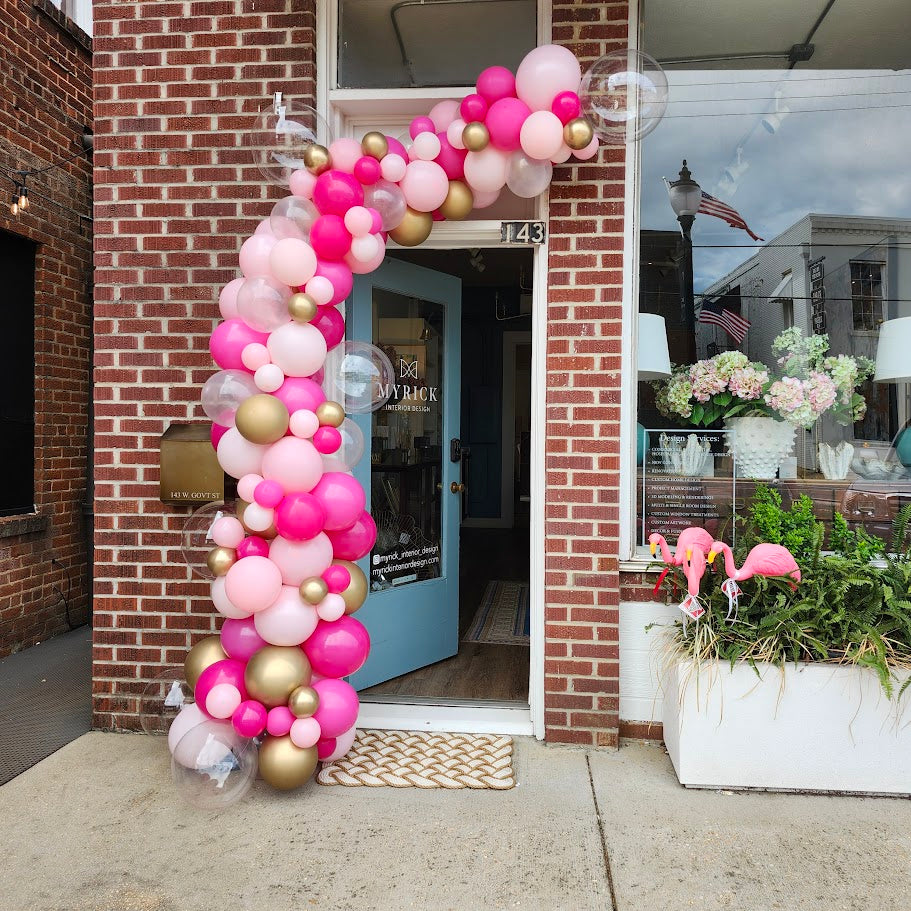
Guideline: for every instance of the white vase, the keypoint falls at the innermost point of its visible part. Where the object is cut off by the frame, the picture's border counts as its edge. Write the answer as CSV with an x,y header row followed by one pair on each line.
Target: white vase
x,y
758,445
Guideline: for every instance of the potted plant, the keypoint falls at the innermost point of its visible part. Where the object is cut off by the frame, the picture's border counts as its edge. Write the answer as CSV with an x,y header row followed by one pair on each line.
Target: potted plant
x,y
802,685
762,407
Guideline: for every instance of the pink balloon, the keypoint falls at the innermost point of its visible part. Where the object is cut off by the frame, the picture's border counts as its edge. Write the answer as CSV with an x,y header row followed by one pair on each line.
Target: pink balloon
x,y
299,517
227,532
238,456
228,341
337,578
340,276
354,542
425,185
217,432
305,732
189,717
331,608
247,484
331,324
566,106
451,159
504,122
294,463
485,200
562,155
327,440
362,267
279,721
338,705
541,136
227,671
589,151
396,148
240,640
376,225
253,546
227,299
268,494
298,349
222,699
253,584
300,393
299,560
342,498
336,192
368,170
249,718
420,125
289,621
301,183
392,167
264,228
473,108
544,73
340,745
454,134
320,288
292,260
443,113
324,747
222,603
254,254
485,171
330,237
496,82
338,649
345,154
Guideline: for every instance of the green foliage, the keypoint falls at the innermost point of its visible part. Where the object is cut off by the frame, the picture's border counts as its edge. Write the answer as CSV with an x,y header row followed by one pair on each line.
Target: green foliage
x,y
796,528
854,542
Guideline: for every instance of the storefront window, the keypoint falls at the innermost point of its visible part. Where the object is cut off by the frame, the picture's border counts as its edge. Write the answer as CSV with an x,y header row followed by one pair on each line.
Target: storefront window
x,y
800,250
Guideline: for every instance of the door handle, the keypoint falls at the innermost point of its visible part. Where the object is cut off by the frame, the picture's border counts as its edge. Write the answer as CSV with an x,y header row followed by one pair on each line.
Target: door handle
x,y
456,487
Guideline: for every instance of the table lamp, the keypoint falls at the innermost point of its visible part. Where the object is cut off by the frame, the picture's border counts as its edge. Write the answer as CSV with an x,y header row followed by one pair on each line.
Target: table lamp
x,y
653,363
893,365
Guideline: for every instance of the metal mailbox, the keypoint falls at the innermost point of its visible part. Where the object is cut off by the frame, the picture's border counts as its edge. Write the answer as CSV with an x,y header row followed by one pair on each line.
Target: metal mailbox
x,y
190,472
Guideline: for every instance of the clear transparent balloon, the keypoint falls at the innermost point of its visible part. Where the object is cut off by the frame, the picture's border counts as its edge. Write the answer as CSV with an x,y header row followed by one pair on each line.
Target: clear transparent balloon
x,y
262,303
162,699
196,541
359,376
528,177
389,201
213,766
352,449
624,95
223,392
292,217
279,139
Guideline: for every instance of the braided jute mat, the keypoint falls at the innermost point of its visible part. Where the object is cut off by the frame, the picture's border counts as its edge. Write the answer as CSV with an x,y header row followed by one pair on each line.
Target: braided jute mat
x,y
418,759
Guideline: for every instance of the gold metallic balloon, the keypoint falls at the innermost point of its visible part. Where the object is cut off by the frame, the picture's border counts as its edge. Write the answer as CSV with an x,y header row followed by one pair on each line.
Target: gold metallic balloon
x,y
375,145
475,136
356,592
220,560
284,765
414,229
274,672
303,702
578,133
262,419
459,201
330,414
268,534
314,590
204,654
317,158
302,307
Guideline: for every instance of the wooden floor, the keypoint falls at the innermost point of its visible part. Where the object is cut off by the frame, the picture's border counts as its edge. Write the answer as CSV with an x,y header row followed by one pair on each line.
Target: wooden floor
x,y
480,671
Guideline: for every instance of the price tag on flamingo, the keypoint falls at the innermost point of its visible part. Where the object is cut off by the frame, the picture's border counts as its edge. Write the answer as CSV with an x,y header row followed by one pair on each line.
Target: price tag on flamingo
x,y
691,607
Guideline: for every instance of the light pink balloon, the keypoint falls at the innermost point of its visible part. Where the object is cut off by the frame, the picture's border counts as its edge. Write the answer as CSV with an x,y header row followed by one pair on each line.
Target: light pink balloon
x,y
485,171
345,154
303,423
223,603
365,249
254,356
264,228
359,267
189,717
544,73
259,518
331,608
358,222
443,113
297,348
302,183
269,377
247,484
485,200
292,261
288,621
589,151
305,732
222,700
454,133
294,463
563,154
227,300
426,146
254,254
425,185
393,167
227,532
541,136
238,456
252,584
343,743
320,289
299,560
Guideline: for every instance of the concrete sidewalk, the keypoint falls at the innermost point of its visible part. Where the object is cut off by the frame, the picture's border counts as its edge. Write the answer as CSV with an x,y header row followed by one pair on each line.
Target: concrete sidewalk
x,y
98,826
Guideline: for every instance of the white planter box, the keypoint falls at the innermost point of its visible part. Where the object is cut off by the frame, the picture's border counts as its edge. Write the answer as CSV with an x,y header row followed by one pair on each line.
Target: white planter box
x,y
818,728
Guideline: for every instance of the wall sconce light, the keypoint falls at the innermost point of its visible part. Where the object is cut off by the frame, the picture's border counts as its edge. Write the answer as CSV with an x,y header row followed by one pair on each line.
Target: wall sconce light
x,y
772,121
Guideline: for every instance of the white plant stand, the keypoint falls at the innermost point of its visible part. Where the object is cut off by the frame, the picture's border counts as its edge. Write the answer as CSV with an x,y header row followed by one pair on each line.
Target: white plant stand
x,y
818,727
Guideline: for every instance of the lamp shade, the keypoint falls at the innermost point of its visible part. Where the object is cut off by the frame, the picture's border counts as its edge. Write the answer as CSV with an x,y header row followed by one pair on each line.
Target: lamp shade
x,y
685,199
654,361
893,354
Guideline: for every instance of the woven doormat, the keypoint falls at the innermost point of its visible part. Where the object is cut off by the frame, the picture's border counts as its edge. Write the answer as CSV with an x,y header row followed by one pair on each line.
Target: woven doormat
x,y
417,759
502,617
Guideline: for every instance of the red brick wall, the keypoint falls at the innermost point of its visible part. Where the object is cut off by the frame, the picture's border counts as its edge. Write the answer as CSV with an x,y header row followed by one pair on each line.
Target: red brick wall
x,y
583,412
45,106
176,85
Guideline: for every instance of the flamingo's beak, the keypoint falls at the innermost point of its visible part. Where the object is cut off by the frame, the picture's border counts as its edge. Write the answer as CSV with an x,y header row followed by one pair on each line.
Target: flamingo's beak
x,y
711,556
653,547
689,553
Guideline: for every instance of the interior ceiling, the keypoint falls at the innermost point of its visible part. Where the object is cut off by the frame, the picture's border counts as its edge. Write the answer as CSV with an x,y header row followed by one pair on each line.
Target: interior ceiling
x,y
502,268
854,34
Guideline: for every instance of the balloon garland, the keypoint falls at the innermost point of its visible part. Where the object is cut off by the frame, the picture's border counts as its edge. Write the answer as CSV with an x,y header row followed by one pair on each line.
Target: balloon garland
x,y
282,568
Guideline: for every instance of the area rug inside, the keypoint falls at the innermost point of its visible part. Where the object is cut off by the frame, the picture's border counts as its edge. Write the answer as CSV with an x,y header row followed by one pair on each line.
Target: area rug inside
x,y
502,617
418,759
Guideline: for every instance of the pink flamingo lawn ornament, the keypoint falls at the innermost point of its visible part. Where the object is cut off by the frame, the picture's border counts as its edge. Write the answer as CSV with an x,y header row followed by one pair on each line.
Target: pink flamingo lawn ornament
x,y
762,560
694,564
689,539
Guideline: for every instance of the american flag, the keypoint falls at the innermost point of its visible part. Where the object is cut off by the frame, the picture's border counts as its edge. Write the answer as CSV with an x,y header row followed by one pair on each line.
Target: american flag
x,y
715,313
712,206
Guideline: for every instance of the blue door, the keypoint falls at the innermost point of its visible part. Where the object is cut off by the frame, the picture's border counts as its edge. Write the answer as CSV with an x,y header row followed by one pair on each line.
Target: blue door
x,y
414,315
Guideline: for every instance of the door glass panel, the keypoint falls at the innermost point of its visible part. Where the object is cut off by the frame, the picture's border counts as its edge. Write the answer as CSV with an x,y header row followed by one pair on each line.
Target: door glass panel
x,y
407,443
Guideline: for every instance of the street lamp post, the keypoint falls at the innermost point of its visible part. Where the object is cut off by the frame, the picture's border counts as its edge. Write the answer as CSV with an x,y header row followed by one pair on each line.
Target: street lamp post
x,y
685,195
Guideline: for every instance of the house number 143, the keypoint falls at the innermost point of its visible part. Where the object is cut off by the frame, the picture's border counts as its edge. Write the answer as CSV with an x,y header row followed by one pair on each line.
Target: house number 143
x,y
522,232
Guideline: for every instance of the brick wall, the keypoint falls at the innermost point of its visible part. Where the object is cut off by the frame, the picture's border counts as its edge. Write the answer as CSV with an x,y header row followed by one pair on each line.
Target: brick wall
x,y
583,416
176,85
45,106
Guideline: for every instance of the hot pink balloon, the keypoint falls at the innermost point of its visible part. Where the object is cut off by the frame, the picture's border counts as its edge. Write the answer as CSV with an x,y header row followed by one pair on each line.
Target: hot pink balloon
x,y
240,640
451,159
299,560
396,148
443,113
338,705
227,299
268,494
420,125
345,154
294,463
496,82
338,649
228,341
504,122
253,584
336,192
228,672
289,621
340,745
354,542
544,73
473,108
300,392
254,254
331,324
324,748
368,170
301,183
330,237
279,721
217,432
327,440
249,718
253,546
566,106
342,498
337,578
300,516
340,276
541,136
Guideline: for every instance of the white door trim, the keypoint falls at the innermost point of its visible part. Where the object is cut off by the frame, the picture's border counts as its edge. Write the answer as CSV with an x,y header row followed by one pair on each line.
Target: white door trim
x,y
511,341
465,719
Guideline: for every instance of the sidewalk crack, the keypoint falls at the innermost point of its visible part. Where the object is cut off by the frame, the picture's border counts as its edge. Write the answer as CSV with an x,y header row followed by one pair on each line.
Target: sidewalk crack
x,y
607,868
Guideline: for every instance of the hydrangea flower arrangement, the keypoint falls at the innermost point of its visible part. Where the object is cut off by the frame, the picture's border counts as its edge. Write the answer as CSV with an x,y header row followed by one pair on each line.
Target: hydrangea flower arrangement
x,y
808,384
